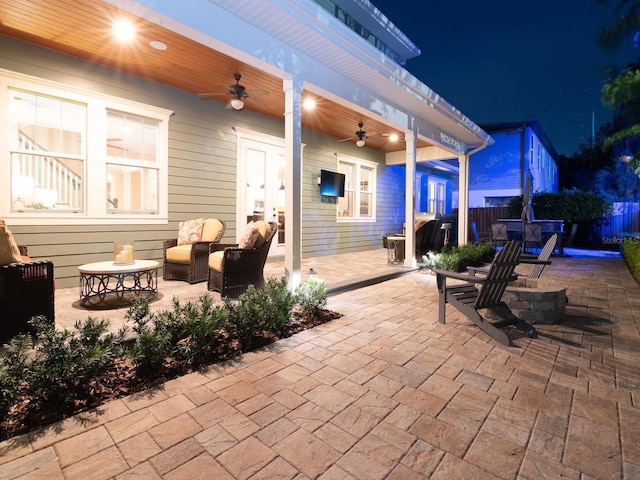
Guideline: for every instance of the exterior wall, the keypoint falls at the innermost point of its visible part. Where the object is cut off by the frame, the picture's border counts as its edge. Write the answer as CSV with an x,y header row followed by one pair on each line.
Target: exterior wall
x,y
495,171
201,177
540,163
499,170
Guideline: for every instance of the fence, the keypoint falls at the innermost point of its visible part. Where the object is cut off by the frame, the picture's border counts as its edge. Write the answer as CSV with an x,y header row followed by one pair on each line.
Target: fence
x,y
484,217
625,218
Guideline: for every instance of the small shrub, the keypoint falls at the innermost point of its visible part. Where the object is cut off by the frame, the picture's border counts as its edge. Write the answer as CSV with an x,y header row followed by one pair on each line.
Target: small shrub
x,y
57,369
267,309
153,342
458,259
631,255
188,333
312,296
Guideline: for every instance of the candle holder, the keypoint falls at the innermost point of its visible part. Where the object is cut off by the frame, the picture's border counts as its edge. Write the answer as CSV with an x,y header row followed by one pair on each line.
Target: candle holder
x,y
123,253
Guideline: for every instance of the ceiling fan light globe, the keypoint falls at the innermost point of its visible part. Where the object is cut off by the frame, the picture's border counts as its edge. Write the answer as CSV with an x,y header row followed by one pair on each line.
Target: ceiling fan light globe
x,y
237,104
360,142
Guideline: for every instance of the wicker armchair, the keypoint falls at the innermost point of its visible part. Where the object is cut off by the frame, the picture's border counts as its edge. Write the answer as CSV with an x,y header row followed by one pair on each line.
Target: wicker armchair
x,y
427,238
189,262
233,269
26,290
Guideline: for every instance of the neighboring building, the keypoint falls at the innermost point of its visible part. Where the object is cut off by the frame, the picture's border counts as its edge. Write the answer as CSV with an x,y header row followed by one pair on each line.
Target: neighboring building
x,y
498,173
105,141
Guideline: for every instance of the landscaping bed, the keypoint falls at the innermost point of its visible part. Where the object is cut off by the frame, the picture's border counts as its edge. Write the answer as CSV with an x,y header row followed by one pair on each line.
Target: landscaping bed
x,y
60,373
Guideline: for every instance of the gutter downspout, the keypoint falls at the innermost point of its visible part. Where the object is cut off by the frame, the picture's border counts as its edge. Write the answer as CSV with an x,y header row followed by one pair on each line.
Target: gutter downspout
x,y
463,189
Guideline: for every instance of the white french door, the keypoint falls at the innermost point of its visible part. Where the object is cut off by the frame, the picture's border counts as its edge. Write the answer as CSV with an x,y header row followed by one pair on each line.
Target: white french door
x,y
261,186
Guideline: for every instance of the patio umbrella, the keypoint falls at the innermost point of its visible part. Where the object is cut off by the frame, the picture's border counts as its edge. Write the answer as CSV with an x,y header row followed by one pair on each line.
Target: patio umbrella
x,y
527,199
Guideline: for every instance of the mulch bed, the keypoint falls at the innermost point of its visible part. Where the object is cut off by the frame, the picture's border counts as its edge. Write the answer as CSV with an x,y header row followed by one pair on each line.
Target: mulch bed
x,y
123,379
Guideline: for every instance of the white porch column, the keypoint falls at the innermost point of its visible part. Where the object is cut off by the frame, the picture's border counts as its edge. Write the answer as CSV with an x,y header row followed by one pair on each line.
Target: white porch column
x,y
463,199
409,204
292,179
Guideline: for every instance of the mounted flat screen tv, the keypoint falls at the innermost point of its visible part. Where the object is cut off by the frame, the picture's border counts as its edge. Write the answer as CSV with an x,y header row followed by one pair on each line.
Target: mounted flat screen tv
x,y
331,184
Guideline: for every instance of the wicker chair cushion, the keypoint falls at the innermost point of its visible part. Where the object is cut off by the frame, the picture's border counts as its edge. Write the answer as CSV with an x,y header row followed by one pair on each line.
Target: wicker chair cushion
x,y
190,231
9,252
216,260
264,230
250,236
179,254
211,229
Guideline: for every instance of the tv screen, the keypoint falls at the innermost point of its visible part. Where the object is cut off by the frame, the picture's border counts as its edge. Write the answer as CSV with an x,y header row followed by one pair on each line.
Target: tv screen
x,y
331,184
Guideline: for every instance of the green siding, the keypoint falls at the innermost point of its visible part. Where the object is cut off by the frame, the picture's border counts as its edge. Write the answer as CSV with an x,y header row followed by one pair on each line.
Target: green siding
x,y
201,175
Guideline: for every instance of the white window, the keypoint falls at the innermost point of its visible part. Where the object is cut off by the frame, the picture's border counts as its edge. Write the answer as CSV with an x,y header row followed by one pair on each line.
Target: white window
x,y
74,156
132,163
359,201
437,191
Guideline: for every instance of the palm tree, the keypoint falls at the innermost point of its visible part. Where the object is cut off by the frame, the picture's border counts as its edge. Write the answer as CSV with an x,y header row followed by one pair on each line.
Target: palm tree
x,y
625,27
622,93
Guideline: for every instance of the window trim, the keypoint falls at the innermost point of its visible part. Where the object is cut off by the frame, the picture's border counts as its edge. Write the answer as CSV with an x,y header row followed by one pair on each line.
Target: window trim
x,y
96,211
358,163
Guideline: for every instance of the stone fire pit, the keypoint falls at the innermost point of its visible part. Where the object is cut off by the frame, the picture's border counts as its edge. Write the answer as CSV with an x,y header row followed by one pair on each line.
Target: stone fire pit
x,y
536,301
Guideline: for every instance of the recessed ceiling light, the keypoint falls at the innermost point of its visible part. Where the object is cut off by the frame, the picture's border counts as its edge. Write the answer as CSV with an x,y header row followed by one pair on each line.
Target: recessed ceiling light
x,y
309,104
393,137
123,30
158,45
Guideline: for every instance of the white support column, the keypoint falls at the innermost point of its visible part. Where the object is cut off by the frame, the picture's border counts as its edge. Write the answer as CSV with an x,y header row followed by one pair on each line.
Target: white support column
x,y
293,179
409,206
463,199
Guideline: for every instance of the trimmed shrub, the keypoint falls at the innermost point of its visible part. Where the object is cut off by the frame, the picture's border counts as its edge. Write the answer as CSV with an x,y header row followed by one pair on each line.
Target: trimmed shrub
x,y
631,255
58,367
458,259
312,296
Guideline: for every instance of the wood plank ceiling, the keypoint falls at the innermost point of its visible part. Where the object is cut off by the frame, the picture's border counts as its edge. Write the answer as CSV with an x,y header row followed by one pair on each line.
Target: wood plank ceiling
x,y
83,29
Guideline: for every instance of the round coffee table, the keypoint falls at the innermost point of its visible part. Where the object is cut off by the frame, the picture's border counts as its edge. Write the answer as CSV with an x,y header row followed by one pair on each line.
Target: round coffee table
x,y
108,285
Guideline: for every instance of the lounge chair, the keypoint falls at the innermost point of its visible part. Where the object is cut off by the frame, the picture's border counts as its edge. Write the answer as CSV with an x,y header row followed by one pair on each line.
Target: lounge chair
x,y
186,257
233,267
469,299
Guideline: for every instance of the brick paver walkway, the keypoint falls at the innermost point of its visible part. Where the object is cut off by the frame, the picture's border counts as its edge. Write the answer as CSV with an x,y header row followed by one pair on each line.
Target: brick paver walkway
x,y
385,392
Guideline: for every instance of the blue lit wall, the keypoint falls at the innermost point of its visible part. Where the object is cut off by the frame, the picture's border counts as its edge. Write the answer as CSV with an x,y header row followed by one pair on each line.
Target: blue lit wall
x,y
499,170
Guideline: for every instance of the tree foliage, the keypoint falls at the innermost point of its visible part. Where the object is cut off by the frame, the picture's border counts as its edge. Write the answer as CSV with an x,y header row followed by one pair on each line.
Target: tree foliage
x,y
622,93
570,206
623,28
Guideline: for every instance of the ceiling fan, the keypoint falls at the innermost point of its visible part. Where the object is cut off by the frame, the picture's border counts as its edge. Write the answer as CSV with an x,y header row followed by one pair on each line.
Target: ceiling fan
x,y
360,136
238,94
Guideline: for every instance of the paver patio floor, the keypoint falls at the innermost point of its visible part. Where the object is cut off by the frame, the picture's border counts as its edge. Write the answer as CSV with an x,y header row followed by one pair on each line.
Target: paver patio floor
x,y
384,392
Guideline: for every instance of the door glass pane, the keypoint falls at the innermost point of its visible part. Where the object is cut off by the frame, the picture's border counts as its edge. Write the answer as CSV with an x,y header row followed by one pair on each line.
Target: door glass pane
x,y
256,168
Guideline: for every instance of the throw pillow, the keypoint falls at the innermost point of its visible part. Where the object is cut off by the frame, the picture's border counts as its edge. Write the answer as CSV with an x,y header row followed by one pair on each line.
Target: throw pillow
x,y
250,236
190,231
9,252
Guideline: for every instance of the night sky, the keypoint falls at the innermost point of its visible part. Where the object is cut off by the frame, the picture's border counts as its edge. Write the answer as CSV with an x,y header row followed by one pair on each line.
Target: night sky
x,y
500,60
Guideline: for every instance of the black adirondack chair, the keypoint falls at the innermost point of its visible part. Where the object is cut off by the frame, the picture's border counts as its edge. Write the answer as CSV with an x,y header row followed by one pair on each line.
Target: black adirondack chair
x,y
470,299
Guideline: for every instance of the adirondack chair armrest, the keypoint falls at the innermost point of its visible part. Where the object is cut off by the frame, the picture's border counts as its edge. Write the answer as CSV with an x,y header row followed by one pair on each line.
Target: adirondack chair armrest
x,y
534,261
459,276
473,270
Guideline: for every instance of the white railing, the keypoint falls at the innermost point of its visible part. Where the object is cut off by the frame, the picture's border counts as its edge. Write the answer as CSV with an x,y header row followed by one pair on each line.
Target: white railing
x,y
48,173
